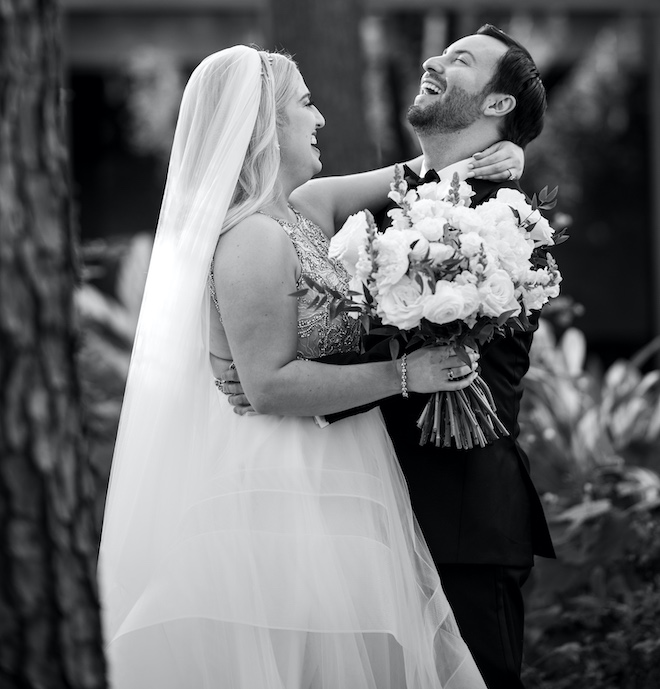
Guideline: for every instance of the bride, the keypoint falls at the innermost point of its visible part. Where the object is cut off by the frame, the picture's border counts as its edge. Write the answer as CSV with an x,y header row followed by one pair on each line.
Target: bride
x,y
261,551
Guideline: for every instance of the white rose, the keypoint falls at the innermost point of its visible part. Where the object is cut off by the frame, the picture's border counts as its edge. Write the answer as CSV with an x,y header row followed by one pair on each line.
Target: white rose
x,y
517,200
392,250
345,244
419,247
471,299
542,233
497,295
402,304
449,303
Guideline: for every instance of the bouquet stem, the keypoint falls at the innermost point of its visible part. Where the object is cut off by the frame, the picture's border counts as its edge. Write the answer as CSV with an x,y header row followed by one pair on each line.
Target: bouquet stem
x,y
464,418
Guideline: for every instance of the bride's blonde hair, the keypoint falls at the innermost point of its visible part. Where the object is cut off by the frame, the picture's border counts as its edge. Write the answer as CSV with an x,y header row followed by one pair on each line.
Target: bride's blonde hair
x,y
256,181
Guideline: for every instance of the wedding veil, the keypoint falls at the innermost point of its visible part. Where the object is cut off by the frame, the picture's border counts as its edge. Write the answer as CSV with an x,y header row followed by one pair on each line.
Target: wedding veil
x,y
168,411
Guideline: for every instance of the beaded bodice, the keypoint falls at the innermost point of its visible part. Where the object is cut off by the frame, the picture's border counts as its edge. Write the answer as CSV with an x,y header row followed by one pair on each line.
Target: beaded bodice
x,y
318,335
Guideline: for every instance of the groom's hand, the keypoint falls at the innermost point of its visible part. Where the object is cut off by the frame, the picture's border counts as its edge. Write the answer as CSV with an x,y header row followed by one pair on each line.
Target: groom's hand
x,y
230,384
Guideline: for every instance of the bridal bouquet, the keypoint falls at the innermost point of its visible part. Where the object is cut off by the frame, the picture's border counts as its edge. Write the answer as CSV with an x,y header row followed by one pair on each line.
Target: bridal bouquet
x,y
446,273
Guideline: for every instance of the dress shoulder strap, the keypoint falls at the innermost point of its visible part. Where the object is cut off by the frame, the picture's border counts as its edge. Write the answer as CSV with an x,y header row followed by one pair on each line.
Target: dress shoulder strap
x,y
214,294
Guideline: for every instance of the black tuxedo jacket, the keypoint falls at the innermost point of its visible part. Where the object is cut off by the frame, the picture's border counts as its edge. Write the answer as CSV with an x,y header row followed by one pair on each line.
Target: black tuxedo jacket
x,y
475,506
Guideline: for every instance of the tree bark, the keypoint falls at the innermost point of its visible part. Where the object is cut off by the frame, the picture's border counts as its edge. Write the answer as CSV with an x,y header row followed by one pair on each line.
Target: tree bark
x,y
50,633
324,38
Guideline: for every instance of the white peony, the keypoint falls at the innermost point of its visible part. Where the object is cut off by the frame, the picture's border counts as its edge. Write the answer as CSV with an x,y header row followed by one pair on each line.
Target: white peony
x,y
392,250
439,252
471,244
513,253
345,244
432,228
419,247
466,220
492,212
423,208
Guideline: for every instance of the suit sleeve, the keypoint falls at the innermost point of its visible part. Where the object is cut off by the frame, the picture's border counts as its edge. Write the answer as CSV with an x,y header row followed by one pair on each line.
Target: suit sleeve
x,y
380,351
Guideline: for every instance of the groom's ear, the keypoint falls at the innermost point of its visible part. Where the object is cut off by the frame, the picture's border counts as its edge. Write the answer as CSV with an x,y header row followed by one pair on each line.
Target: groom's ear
x,y
498,104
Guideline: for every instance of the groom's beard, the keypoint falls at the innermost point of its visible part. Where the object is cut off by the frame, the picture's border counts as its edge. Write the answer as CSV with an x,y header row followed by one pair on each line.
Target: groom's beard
x,y
453,113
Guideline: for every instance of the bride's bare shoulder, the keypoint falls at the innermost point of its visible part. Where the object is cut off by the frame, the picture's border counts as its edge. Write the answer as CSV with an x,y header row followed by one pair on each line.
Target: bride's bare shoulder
x,y
256,240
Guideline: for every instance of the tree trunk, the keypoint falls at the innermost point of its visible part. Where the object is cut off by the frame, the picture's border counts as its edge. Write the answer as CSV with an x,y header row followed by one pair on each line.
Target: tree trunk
x,y
50,633
324,38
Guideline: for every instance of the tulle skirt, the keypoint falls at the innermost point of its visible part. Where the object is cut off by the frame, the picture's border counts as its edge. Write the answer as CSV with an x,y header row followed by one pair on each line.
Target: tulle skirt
x,y
297,564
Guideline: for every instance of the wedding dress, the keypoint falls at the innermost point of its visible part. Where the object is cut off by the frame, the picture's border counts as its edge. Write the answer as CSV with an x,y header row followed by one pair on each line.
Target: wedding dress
x,y
297,562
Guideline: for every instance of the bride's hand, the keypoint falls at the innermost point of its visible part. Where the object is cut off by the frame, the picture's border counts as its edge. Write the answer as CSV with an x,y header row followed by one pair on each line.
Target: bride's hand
x,y
498,163
431,369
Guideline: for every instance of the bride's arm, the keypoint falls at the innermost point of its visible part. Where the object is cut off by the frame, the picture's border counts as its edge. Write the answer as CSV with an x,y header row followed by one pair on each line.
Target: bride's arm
x,y
330,200
256,268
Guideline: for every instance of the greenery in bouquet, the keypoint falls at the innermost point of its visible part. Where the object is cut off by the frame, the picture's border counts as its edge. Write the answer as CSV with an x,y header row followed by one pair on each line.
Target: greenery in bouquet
x,y
445,273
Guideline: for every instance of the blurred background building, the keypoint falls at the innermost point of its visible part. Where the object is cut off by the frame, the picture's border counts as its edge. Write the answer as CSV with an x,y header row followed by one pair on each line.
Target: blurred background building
x,y
128,61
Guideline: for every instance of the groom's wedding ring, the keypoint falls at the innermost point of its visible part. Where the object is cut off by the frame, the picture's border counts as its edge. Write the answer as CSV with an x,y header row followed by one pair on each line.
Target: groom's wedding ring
x,y
450,374
510,171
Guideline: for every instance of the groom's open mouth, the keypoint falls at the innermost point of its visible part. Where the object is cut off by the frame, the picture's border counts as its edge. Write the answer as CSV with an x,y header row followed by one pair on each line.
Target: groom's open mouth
x,y
430,87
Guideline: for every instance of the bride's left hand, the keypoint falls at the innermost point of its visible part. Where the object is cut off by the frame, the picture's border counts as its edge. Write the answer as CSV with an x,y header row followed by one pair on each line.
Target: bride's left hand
x,y
498,163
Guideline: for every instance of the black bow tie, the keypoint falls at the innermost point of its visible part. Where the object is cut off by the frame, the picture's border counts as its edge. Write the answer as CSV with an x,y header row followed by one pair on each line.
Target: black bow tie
x,y
414,180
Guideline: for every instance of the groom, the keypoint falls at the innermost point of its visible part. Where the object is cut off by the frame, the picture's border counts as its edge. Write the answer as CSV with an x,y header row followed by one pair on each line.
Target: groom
x,y
478,509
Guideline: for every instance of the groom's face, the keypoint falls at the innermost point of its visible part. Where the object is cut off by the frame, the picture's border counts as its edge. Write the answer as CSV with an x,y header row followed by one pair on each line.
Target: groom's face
x,y
451,92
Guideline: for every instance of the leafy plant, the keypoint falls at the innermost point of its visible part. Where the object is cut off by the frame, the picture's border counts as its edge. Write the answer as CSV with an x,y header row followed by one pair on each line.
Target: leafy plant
x,y
593,614
108,324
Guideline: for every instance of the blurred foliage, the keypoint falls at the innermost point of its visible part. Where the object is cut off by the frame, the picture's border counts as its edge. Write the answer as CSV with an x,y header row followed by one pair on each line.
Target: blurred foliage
x,y
597,120
594,438
153,87
108,303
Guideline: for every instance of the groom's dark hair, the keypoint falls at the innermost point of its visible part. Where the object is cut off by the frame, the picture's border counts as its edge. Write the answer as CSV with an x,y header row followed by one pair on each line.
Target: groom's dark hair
x,y
517,75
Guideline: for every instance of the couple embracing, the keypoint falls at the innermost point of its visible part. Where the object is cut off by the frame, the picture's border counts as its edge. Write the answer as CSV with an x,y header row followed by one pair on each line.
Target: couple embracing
x,y
259,550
